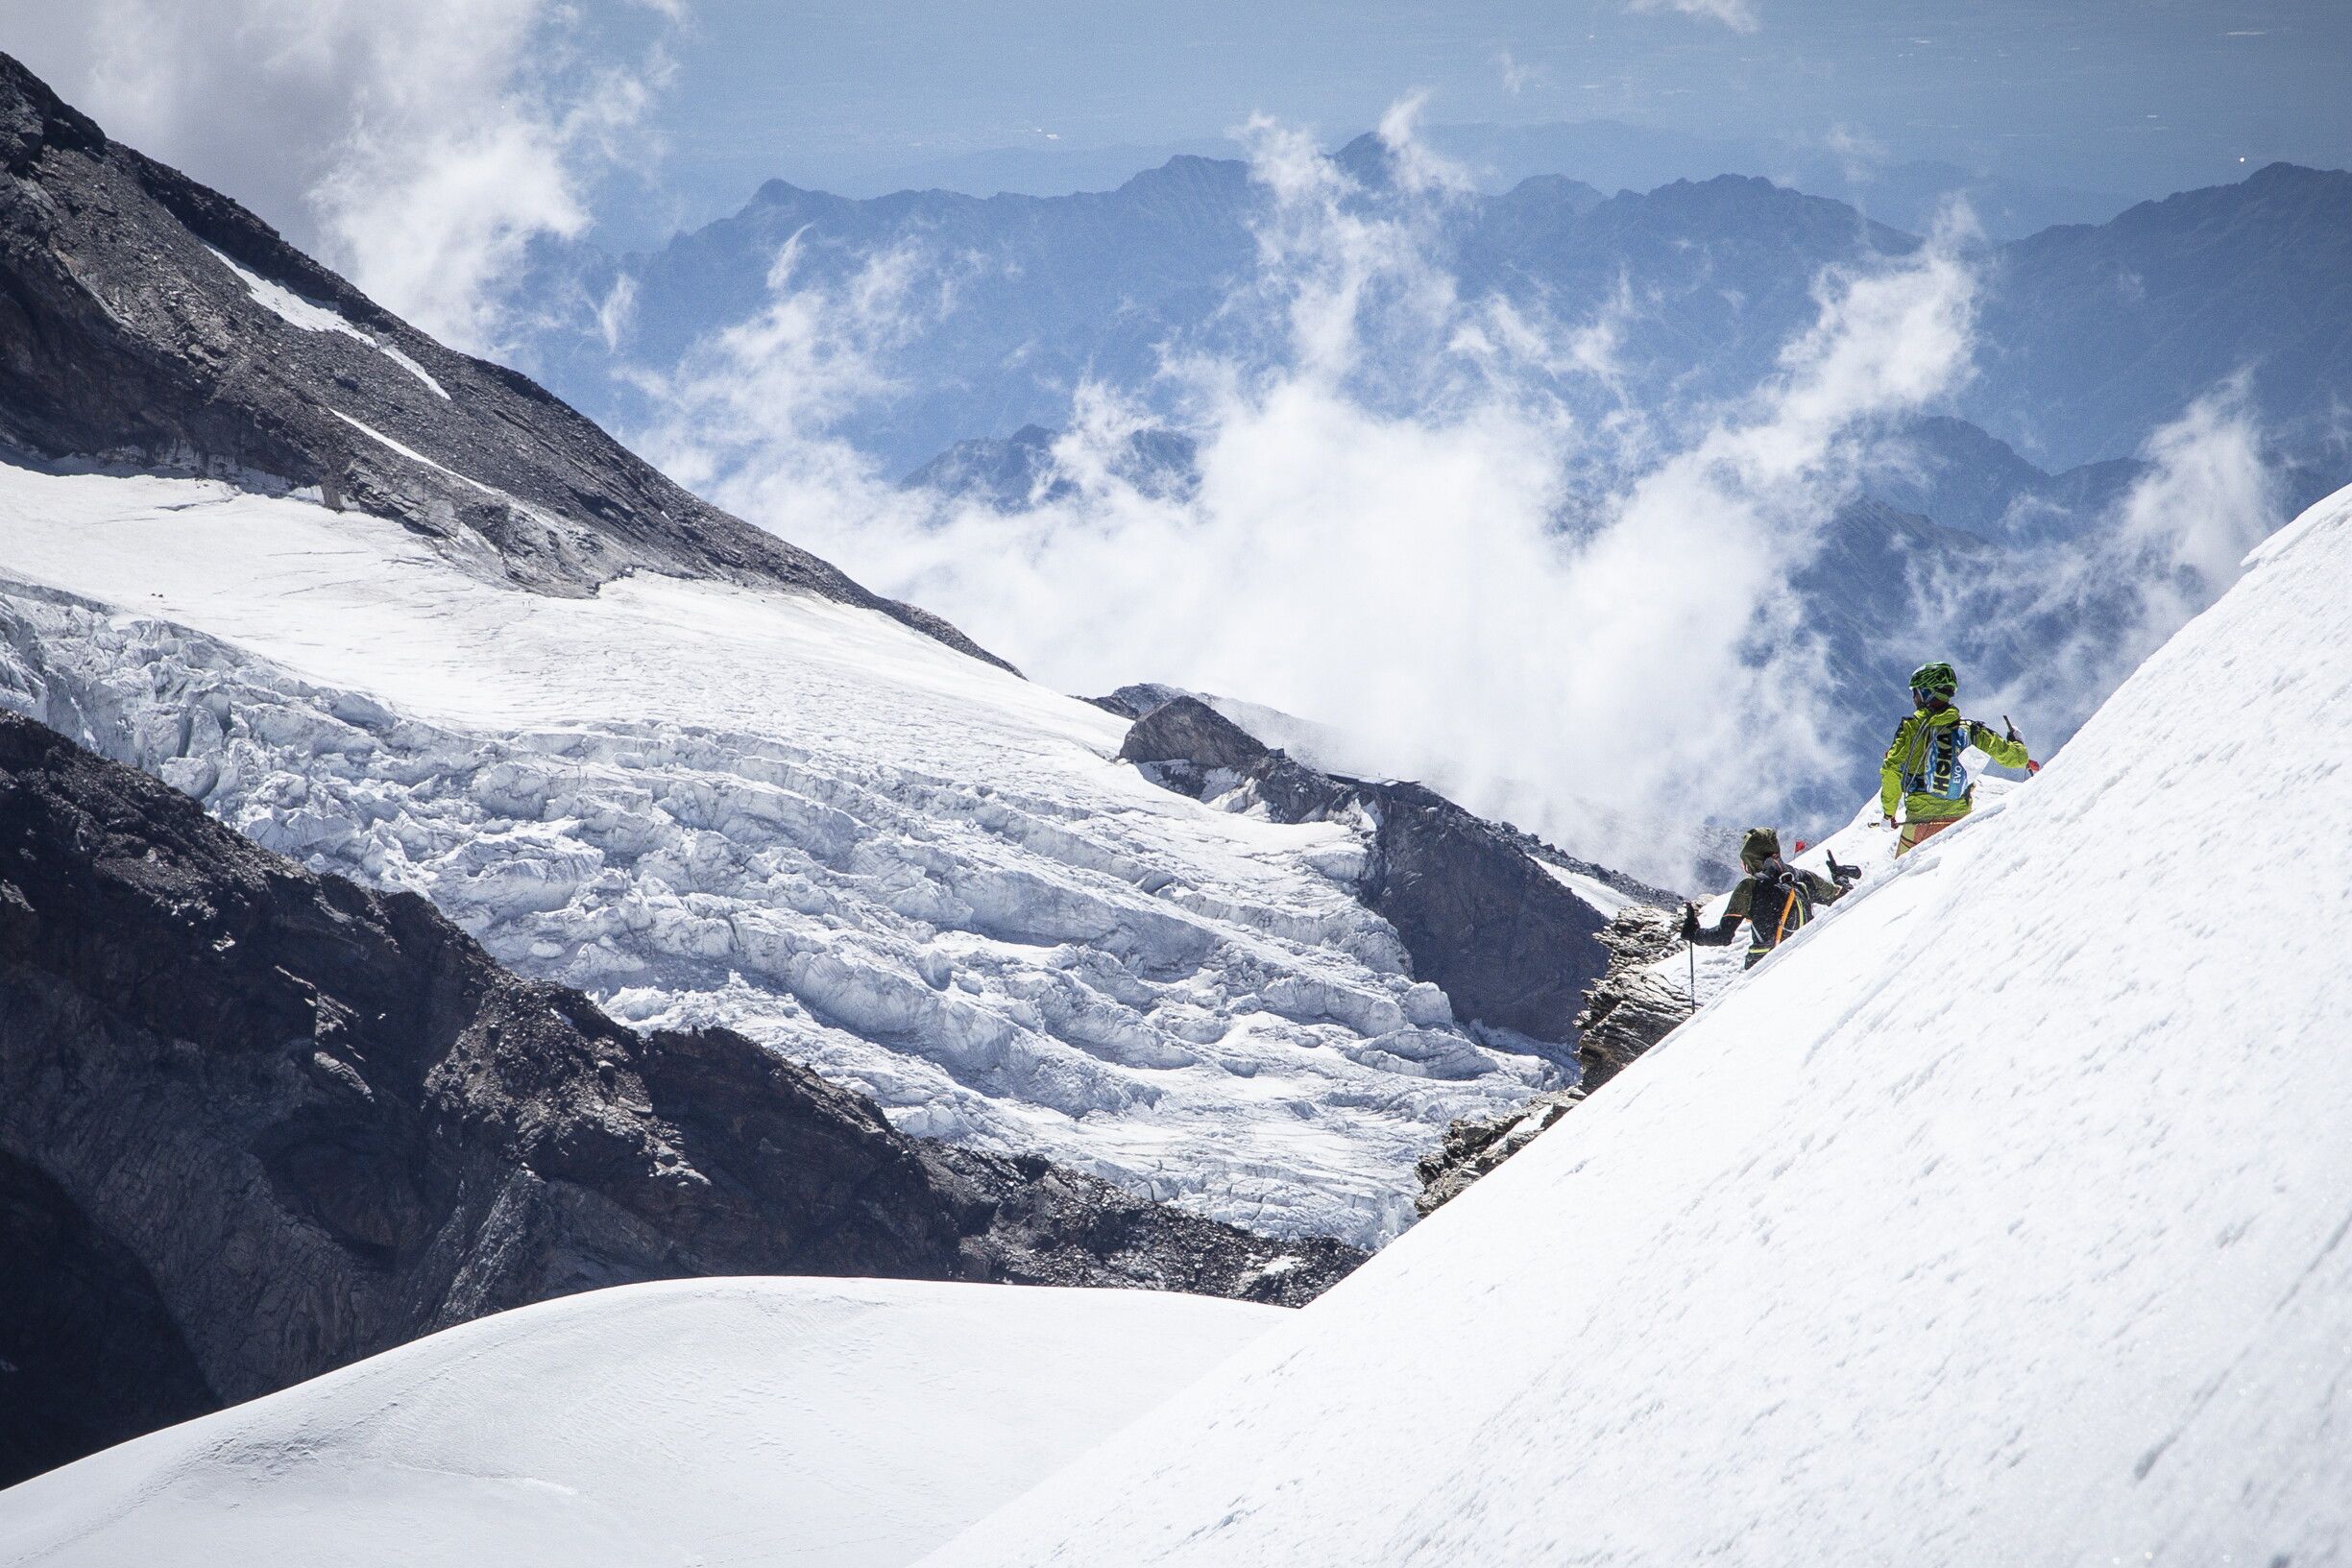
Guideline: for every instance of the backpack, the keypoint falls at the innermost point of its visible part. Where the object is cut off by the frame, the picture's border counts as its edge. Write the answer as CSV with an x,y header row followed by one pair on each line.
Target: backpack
x,y
1780,904
1932,767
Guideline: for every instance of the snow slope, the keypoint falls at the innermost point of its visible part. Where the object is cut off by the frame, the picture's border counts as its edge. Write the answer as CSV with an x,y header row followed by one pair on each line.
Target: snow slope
x,y
819,1423
1861,843
708,804
2002,1219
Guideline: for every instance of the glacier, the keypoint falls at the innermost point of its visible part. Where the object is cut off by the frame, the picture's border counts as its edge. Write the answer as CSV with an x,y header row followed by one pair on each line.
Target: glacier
x,y
824,1423
707,803
1999,1217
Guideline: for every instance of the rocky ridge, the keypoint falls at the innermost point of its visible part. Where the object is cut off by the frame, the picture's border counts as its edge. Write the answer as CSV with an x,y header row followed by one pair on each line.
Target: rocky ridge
x,y
1628,1010
257,1123
1631,1008
1477,910
150,321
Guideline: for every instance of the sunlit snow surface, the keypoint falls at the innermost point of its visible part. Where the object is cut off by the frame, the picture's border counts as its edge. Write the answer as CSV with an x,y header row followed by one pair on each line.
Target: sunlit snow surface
x,y
705,804
815,1423
2006,1218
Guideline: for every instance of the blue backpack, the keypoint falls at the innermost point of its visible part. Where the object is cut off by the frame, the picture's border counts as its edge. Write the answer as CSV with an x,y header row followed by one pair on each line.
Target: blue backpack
x,y
1933,767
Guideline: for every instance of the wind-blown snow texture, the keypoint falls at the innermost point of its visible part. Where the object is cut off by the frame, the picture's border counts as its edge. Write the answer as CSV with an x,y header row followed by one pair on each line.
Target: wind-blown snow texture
x,y
821,1423
711,804
2002,1219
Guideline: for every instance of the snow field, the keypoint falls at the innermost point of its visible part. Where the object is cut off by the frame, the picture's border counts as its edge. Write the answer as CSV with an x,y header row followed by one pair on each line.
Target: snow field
x,y
706,805
819,1423
2002,1219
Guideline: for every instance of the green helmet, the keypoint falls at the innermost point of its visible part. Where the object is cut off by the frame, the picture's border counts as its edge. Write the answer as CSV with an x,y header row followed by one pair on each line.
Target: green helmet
x,y
1760,845
1934,679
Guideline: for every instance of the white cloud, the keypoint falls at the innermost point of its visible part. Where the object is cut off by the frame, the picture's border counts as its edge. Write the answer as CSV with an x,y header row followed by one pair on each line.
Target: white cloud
x,y
1376,539
2077,614
2173,544
749,416
1737,14
418,148
1418,168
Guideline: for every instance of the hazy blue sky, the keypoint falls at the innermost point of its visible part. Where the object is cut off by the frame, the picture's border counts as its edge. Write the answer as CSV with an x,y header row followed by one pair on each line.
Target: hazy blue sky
x,y
504,118
2132,95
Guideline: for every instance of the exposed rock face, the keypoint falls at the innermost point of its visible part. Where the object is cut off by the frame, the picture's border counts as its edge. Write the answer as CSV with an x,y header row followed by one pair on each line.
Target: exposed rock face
x,y
1476,1145
72,1300
1471,899
257,1123
1137,698
1186,732
1629,1008
147,319
1029,1221
1481,917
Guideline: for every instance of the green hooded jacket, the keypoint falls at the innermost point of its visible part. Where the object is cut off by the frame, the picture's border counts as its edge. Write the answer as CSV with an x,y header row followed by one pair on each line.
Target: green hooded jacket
x,y
1908,752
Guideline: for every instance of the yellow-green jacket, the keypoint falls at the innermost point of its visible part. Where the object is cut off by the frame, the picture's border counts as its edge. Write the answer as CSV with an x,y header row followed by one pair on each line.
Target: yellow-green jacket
x,y
1922,766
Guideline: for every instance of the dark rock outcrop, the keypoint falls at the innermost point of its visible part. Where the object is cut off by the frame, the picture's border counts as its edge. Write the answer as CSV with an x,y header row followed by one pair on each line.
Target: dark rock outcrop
x,y
1471,899
1030,1222
1185,733
1628,1010
1475,1146
257,1123
89,1356
1137,698
1481,917
126,337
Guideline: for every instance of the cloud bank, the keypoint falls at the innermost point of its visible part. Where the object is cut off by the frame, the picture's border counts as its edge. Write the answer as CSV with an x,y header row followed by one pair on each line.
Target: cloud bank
x,y
1392,531
2087,611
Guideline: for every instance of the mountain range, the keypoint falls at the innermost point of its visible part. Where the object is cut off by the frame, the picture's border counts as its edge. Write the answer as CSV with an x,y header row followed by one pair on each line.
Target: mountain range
x,y
1946,532
1027,295
1608,154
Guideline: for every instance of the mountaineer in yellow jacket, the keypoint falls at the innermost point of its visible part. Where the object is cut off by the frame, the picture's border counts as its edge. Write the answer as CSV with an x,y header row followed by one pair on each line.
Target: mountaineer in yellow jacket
x,y
1923,769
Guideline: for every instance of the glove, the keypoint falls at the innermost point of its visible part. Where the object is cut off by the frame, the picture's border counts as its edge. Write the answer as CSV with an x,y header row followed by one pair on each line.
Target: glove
x,y
1886,821
1690,921
1844,876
